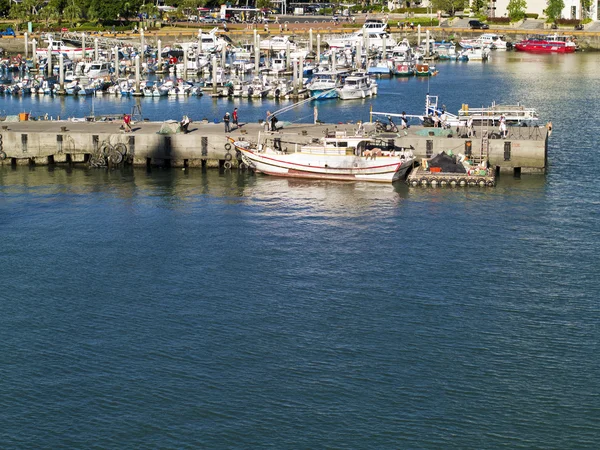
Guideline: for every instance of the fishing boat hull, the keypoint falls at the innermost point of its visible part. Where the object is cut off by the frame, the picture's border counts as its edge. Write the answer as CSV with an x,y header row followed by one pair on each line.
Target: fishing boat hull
x,y
382,169
404,70
544,47
423,70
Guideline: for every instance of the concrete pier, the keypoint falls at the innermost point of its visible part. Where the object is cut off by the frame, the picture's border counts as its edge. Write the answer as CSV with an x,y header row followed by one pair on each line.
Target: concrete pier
x,y
524,150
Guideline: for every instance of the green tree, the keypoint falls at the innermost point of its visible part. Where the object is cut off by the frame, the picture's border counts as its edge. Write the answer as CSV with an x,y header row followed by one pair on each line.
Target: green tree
x,y
49,13
72,12
554,9
449,6
189,7
586,6
103,10
19,13
150,11
264,4
516,9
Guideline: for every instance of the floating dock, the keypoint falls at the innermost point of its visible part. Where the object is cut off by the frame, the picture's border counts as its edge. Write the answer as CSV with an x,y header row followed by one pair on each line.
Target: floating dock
x,y
43,142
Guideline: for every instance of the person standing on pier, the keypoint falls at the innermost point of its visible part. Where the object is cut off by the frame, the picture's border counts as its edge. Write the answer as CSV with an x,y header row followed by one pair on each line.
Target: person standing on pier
x,y
316,114
127,123
226,121
503,129
470,130
443,120
235,117
268,121
404,121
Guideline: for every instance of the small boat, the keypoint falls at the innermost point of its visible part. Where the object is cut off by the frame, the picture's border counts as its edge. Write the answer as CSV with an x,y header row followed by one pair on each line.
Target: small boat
x,y
402,68
323,85
423,69
357,85
379,68
98,69
547,44
280,88
337,156
491,40
476,53
256,89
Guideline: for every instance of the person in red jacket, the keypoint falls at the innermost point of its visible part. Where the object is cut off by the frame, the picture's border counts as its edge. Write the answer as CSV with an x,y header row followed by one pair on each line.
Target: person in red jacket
x,y
127,122
235,117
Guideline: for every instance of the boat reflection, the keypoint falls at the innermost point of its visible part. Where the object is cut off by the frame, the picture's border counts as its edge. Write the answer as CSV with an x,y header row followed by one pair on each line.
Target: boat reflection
x,y
177,187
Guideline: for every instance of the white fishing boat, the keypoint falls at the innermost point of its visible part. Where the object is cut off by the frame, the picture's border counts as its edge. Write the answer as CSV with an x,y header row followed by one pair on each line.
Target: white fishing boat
x,y
337,156
357,85
56,47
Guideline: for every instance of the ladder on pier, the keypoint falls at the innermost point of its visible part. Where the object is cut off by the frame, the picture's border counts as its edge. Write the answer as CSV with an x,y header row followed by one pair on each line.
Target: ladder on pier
x,y
484,149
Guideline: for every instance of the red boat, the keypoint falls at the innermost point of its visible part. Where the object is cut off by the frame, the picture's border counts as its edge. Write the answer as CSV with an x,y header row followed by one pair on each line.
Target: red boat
x,y
547,44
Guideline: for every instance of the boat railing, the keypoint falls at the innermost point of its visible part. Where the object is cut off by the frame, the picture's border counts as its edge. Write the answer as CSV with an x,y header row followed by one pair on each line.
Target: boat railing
x,y
518,113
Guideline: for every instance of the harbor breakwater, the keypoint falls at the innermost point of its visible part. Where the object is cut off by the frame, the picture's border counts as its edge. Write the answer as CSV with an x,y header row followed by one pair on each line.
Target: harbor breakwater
x,y
524,150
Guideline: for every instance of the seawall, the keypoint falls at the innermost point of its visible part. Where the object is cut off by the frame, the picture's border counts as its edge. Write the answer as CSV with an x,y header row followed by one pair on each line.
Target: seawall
x,y
161,144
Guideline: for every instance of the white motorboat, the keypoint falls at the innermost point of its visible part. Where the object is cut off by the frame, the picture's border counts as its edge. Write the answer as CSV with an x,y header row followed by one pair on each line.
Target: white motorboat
x,y
337,156
357,85
477,53
491,40
256,89
277,43
323,85
280,88
98,69
372,36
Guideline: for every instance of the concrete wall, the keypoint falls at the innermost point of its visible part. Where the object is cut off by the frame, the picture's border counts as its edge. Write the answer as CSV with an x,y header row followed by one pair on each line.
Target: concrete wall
x,y
524,148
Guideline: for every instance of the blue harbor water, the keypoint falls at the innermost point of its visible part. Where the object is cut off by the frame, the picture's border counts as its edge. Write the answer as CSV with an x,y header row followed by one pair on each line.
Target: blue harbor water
x,y
189,309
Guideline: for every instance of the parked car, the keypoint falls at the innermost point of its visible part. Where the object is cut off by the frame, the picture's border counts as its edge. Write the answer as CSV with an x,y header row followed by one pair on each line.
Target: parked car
x,y
8,32
478,25
208,19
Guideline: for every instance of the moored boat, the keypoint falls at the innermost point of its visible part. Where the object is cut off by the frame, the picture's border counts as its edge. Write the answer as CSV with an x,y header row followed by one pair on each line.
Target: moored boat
x,y
547,44
337,156
357,85
423,69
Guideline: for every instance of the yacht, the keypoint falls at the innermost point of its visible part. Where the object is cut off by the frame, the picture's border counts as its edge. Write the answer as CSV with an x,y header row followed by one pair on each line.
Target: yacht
x,y
372,35
357,85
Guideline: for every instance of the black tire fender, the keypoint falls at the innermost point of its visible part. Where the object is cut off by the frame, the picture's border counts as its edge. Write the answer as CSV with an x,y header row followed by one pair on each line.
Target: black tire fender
x,y
121,148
